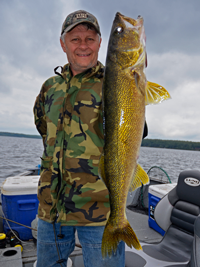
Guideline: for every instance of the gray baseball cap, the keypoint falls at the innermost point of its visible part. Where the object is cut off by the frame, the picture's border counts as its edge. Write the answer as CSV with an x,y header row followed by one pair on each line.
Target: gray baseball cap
x,y
78,17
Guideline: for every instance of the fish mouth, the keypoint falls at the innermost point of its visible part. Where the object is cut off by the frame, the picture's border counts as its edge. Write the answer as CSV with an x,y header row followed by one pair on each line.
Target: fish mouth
x,y
130,22
137,25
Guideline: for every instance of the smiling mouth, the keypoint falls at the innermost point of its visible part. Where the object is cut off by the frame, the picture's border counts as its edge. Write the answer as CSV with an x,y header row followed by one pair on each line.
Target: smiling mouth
x,y
83,55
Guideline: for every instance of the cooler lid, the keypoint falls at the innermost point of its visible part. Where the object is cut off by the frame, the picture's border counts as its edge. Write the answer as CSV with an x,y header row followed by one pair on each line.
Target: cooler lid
x,y
161,190
20,185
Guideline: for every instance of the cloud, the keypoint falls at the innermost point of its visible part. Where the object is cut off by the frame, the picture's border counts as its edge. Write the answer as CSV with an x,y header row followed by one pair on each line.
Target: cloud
x,y
173,68
30,50
177,118
169,25
16,111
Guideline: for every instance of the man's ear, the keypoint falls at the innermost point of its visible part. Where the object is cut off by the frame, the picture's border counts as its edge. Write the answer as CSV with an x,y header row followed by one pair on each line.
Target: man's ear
x,y
100,43
62,45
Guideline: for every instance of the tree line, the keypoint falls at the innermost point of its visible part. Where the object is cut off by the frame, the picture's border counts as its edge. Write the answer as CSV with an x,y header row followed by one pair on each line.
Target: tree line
x,y
20,135
173,144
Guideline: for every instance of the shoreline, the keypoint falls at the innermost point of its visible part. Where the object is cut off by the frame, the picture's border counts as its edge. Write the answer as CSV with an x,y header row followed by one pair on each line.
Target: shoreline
x,y
156,143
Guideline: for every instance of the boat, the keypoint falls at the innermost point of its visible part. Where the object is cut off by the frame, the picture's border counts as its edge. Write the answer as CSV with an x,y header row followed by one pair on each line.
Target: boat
x,y
155,238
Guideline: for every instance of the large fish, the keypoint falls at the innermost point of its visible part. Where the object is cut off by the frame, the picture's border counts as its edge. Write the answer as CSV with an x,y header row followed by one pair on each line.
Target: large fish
x,y
125,94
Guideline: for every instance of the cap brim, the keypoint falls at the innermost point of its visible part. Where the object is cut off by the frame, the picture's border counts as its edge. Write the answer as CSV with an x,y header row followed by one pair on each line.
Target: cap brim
x,y
69,28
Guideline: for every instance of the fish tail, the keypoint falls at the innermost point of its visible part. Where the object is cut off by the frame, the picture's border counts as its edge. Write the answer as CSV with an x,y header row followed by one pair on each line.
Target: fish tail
x,y
112,236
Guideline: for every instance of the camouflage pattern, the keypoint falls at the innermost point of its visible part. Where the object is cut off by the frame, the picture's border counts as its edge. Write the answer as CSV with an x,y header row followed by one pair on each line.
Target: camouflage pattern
x,y
78,17
68,116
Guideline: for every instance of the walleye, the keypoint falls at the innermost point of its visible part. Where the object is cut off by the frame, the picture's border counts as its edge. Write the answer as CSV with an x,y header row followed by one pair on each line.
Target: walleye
x,y
125,94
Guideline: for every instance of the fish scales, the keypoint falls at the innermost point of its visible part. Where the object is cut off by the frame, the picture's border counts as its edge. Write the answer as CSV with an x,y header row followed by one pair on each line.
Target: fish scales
x,y
125,93
121,135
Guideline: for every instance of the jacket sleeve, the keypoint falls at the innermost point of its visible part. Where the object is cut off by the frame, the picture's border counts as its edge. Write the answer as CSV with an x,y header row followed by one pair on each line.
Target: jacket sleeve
x,y
39,115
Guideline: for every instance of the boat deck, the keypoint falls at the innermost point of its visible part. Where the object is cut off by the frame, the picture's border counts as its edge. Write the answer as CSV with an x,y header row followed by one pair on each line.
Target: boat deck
x,y
138,221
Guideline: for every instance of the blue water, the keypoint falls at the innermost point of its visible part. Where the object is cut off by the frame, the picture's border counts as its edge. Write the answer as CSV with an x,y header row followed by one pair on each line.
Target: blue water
x,y
19,154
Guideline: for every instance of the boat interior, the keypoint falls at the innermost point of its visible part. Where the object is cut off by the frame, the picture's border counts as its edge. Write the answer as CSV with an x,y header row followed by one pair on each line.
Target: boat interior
x,y
177,214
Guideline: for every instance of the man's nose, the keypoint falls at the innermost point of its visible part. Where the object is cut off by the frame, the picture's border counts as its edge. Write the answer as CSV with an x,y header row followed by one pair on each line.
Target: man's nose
x,y
83,44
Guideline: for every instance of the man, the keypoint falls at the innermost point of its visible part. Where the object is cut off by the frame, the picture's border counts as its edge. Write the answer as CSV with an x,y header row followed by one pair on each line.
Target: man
x,y
68,115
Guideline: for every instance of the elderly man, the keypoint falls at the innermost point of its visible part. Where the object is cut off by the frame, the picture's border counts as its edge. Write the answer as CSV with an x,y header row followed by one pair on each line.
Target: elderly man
x,y
68,115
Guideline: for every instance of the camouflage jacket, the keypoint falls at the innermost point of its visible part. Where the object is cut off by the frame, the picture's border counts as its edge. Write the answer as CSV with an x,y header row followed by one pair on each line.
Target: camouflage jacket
x,y
68,116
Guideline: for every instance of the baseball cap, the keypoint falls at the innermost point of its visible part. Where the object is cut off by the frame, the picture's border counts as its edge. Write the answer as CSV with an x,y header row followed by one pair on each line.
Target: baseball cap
x,y
78,17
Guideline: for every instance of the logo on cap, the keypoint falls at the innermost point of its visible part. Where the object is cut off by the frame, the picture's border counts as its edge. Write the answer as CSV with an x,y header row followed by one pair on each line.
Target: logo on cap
x,y
81,16
192,181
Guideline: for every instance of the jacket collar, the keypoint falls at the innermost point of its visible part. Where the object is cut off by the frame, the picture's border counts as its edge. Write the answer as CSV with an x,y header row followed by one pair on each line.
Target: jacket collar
x,y
95,72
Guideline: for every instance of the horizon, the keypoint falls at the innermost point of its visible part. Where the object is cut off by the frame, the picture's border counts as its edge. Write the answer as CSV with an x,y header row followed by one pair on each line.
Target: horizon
x,y
144,139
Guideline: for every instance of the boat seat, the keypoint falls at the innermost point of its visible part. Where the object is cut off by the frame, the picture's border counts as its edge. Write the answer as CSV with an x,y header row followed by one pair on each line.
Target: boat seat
x,y
178,214
195,259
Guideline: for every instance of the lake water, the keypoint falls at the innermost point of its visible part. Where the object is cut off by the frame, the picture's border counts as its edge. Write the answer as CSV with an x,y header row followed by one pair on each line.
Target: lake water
x,y
19,154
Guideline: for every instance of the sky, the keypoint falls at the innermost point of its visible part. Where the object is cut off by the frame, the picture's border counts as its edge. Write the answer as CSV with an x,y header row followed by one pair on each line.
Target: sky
x,y
30,50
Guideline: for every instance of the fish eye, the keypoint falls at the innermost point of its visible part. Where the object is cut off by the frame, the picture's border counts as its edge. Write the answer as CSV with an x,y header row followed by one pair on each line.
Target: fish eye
x,y
119,30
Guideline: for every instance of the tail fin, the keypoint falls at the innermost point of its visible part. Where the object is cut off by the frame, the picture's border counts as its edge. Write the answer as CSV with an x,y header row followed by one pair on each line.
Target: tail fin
x,y
112,236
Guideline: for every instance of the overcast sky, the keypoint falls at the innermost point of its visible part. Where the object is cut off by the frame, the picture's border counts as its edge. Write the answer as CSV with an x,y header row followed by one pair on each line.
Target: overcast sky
x,y
30,50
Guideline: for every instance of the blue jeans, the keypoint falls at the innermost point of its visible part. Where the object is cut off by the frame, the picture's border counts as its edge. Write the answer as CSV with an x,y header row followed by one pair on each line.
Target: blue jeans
x,y
90,239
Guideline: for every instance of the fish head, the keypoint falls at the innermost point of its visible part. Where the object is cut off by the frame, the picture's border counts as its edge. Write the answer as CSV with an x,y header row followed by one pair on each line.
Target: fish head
x,y
127,41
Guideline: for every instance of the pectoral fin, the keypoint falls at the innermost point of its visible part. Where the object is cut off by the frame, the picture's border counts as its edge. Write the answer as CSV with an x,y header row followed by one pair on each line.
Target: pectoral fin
x,y
140,177
155,93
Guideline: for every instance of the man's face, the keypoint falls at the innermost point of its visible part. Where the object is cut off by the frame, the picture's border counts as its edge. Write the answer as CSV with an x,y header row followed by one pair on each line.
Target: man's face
x,y
81,46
